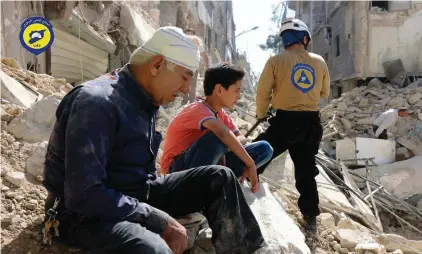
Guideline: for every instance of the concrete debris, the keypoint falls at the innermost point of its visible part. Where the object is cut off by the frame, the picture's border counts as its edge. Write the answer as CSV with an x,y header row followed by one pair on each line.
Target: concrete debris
x,y
414,98
41,83
353,113
16,178
393,242
397,252
383,151
278,229
35,163
327,220
374,248
402,179
138,31
15,92
351,233
36,123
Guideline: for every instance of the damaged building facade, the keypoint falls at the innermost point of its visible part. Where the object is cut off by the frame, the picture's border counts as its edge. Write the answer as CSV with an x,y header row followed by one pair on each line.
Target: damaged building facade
x,y
93,37
362,40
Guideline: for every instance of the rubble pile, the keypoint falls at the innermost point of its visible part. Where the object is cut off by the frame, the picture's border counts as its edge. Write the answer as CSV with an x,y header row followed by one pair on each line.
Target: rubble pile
x,y
42,83
353,113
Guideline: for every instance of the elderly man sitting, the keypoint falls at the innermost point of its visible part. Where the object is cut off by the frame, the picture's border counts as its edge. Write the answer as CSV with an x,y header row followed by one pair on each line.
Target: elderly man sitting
x,y
100,163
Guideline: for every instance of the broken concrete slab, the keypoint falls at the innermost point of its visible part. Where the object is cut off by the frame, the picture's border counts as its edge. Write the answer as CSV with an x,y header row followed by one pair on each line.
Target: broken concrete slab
x,y
373,248
15,178
137,28
351,233
327,220
374,83
409,145
393,242
279,230
415,84
414,98
36,123
402,179
15,92
384,151
35,163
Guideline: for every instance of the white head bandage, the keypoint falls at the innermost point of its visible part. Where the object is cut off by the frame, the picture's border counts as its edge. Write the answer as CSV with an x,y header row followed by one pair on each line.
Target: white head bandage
x,y
175,46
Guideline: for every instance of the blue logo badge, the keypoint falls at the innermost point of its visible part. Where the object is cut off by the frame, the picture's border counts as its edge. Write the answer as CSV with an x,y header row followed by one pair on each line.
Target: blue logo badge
x,y
36,34
303,77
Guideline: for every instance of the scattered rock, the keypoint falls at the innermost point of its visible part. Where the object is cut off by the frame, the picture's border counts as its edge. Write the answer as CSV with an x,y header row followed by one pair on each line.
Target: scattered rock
x,y
35,163
337,247
351,233
346,123
36,123
397,252
342,106
8,220
393,242
327,220
371,247
16,178
344,250
414,98
10,194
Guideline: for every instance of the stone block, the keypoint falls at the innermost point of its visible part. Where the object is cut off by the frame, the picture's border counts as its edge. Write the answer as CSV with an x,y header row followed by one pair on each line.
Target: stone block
x,y
36,123
327,220
15,178
35,163
351,233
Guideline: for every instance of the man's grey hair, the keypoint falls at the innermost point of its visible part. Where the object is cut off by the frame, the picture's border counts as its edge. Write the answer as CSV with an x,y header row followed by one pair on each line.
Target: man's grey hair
x,y
140,56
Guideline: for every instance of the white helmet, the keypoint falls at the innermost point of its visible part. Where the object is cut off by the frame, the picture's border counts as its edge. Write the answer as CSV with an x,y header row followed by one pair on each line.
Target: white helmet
x,y
294,24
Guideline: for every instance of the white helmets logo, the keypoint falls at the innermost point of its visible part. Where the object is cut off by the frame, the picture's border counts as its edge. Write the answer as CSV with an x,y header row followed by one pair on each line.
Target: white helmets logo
x,y
294,24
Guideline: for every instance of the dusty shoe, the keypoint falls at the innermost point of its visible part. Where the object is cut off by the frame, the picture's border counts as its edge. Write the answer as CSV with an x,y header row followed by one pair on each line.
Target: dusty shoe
x,y
310,223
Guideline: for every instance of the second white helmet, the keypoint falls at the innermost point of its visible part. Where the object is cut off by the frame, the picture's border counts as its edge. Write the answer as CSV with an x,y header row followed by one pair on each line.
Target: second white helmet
x,y
294,24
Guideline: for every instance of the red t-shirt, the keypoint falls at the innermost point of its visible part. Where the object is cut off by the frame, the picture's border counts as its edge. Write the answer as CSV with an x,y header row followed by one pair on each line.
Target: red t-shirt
x,y
187,127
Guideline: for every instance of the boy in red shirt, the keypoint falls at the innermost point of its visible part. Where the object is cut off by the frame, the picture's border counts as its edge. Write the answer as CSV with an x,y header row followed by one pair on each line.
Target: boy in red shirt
x,y
203,134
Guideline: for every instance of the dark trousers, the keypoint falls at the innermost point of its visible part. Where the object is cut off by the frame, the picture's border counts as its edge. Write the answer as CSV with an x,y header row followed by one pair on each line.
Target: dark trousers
x,y
214,190
383,134
208,150
300,132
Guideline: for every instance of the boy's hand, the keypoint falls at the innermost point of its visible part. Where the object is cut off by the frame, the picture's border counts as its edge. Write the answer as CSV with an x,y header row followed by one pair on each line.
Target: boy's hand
x,y
250,173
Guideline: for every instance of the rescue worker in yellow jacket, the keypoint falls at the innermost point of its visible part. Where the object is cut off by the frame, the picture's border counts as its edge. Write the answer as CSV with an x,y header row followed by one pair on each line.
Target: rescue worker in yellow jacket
x,y
294,81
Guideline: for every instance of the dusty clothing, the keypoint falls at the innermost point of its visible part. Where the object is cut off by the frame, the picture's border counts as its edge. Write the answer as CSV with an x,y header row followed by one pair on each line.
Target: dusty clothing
x,y
382,135
386,120
296,80
211,189
101,163
187,127
299,132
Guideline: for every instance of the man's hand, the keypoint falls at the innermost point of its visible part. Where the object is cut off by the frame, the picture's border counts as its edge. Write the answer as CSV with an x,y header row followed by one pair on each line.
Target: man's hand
x,y
175,236
250,173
